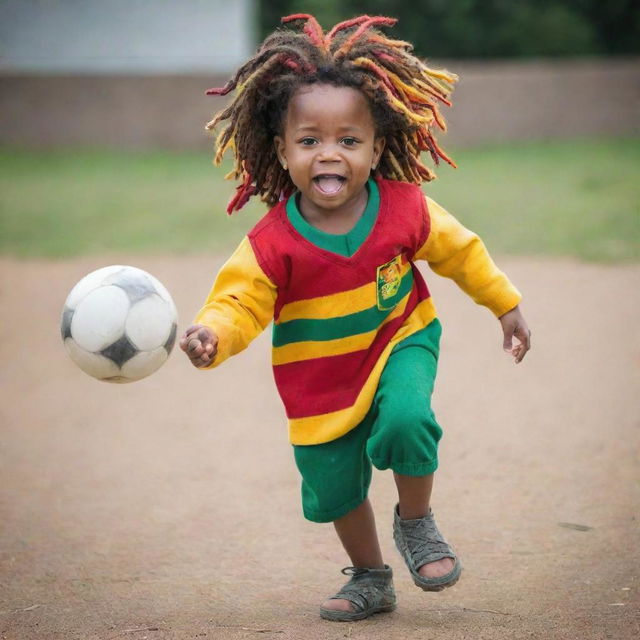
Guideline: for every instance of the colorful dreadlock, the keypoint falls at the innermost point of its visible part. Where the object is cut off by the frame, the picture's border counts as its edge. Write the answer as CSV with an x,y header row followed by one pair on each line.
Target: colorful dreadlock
x,y
403,94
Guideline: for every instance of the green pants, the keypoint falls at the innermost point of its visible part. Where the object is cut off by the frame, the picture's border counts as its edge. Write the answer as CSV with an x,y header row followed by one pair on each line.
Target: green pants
x,y
399,432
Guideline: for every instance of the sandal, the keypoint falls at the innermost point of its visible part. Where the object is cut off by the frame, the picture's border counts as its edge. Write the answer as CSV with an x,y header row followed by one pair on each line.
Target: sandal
x,y
419,542
369,591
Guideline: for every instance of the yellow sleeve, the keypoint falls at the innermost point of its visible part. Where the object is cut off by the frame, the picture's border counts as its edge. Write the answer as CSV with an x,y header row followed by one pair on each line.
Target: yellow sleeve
x,y
455,252
240,304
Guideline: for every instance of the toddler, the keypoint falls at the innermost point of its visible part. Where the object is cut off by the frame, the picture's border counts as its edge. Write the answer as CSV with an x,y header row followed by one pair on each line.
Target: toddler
x,y
328,130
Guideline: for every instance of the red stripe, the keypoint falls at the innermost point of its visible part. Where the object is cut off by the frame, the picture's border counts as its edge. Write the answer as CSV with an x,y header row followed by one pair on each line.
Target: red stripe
x,y
303,271
323,385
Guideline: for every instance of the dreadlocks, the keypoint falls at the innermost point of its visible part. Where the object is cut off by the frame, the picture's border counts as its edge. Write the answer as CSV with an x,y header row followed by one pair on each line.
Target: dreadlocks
x,y
402,92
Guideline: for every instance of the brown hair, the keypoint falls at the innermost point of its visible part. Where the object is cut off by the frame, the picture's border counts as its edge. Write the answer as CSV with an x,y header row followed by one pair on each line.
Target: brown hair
x,y
402,91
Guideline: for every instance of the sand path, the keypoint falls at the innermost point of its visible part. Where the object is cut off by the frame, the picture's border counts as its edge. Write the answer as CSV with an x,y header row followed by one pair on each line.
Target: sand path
x,y
169,509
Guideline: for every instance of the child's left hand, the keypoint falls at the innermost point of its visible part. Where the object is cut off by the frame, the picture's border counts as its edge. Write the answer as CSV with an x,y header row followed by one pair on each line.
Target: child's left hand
x,y
514,324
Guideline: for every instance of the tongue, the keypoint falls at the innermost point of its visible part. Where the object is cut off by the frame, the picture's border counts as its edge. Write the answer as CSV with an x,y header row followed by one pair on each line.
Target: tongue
x,y
329,184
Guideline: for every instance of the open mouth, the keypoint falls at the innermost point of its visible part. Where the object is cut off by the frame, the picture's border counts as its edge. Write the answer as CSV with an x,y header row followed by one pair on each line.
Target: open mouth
x,y
329,183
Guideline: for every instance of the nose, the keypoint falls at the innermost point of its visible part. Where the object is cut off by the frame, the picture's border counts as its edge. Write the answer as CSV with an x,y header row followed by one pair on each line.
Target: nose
x,y
329,152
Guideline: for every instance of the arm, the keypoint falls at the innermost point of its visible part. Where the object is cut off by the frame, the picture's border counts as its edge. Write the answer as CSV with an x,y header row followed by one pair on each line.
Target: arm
x,y
239,306
455,252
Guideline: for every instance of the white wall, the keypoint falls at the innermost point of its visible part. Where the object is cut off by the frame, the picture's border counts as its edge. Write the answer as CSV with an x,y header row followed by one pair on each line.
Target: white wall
x,y
125,36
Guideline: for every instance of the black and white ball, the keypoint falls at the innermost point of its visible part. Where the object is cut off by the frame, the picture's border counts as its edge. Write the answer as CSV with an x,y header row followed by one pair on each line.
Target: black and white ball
x,y
119,324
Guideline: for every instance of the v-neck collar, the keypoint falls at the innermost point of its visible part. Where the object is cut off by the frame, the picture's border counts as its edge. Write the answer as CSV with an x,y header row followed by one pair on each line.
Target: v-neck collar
x,y
342,244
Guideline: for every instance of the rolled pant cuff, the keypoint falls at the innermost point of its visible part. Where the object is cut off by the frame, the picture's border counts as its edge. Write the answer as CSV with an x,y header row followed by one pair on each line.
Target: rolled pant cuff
x,y
335,514
407,468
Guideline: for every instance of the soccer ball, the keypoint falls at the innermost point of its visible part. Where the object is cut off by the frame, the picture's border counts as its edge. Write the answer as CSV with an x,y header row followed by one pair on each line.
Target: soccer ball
x,y
119,324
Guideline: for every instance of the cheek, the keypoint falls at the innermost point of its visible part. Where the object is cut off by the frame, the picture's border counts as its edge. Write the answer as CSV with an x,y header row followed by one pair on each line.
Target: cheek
x,y
299,160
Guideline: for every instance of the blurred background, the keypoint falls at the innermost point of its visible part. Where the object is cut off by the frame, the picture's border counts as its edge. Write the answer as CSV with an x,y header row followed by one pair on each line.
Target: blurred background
x,y
103,145
169,508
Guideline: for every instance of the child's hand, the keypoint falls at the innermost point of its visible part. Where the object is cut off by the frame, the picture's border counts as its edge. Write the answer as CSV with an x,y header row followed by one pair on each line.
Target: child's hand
x,y
200,344
514,324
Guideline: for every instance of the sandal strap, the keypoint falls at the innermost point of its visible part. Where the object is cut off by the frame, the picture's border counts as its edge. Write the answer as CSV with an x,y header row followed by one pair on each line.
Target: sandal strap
x,y
423,540
368,588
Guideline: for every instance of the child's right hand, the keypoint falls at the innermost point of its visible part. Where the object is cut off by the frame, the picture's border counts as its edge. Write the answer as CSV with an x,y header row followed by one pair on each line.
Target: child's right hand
x,y
200,344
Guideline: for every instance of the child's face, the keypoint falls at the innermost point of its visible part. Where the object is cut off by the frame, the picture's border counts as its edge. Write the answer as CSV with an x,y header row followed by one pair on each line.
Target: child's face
x,y
330,146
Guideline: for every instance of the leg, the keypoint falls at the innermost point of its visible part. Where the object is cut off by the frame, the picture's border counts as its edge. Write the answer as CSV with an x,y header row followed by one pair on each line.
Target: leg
x,y
414,498
357,532
414,495
335,481
405,437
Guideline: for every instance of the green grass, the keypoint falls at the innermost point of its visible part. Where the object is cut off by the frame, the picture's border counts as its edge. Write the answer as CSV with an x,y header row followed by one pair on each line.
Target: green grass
x,y
569,198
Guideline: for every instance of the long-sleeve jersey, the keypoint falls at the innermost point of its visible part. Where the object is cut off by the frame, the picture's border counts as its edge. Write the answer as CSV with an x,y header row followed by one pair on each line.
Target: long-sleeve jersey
x,y
337,318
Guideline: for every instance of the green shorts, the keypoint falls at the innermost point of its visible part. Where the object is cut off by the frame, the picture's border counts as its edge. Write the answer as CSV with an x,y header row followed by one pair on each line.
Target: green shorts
x,y
399,432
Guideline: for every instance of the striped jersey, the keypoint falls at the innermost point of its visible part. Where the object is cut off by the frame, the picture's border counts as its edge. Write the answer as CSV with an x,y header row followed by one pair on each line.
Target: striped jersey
x,y
336,318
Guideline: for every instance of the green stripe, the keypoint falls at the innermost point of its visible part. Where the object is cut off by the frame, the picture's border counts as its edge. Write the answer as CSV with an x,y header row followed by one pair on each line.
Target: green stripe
x,y
341,327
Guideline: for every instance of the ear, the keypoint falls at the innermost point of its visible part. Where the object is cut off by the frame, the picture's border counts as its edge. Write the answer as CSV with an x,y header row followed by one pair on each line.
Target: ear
x,y
278,143
378,148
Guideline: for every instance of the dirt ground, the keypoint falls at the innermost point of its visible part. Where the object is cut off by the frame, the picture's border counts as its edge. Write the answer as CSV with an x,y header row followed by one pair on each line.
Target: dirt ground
x,y
169,508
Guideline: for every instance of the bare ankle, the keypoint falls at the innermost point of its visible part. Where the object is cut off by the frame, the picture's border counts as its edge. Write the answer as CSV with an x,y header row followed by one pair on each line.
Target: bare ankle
x,y
412,512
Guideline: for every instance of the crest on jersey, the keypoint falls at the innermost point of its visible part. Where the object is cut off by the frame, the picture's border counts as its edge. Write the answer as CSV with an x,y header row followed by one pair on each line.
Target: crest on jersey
x,y
388,279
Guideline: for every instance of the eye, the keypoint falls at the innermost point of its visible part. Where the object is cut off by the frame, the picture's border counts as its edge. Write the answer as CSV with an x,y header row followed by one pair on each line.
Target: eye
x,y
349,142
307,141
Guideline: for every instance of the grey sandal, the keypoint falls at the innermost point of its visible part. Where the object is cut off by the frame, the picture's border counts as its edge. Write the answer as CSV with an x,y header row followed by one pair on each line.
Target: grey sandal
x,y
369,591
419,542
